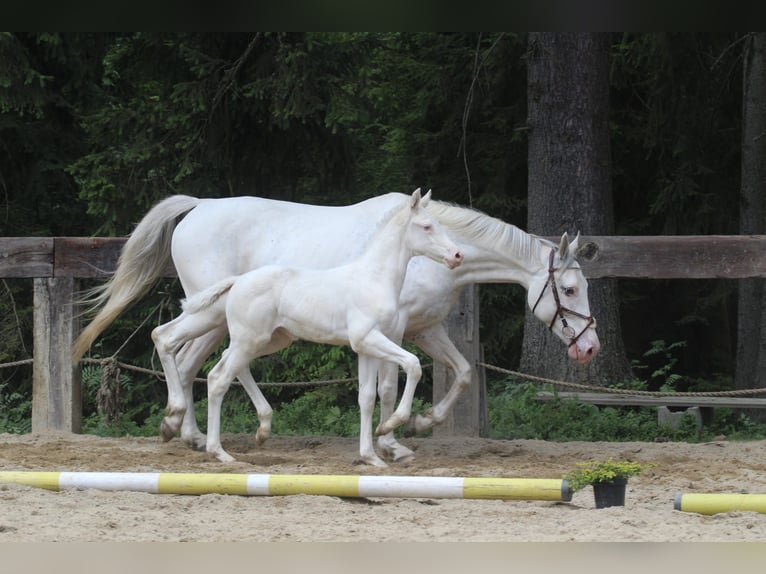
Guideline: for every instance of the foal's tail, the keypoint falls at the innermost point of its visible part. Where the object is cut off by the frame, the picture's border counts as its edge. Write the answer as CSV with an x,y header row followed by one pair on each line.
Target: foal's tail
x,y
204,299
144,258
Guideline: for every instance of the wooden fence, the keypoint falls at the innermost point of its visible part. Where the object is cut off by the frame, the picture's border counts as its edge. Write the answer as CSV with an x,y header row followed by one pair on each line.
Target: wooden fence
x,y
56,263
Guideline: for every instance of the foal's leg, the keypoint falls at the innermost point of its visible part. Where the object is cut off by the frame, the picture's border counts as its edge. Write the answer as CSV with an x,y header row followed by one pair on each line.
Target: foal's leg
x,y
367,368
376,344
235,359
388,386
436,343
279,341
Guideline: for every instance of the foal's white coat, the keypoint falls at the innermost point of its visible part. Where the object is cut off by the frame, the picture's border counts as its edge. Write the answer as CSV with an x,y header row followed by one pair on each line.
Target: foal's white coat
x,y
217,238
355,304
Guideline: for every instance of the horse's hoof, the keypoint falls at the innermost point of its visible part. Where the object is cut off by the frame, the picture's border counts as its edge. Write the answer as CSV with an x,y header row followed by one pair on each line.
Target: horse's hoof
x,y
411,429
261,437
198,443
166,431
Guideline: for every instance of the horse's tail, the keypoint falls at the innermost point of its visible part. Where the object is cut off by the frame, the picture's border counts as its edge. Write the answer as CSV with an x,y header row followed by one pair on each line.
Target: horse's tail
x,y
144,258
204,299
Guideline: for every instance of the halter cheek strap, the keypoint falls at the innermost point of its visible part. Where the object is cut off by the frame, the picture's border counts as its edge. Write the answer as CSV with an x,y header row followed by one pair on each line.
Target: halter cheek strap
x,y
560,309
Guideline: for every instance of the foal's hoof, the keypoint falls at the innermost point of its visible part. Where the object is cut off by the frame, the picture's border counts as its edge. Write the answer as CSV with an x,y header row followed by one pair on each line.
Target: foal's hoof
x,y
223,456
405,458
370,460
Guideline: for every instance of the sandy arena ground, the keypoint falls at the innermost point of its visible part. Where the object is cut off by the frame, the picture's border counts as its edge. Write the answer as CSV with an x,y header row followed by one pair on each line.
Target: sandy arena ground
x,y
33,514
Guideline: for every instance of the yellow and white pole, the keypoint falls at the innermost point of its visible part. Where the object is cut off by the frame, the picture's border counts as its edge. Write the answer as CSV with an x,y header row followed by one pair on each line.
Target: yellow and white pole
x,y
717,503
276,484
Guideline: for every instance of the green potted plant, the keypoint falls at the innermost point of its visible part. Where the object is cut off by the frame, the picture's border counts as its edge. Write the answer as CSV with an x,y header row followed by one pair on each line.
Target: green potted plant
x,y
608,478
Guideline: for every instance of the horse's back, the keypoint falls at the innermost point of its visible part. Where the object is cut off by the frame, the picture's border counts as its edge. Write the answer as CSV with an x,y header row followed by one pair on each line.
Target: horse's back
x,y
229,236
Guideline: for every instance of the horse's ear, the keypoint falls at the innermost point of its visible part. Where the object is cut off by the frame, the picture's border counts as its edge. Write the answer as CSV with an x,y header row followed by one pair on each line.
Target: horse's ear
x,y
574,244
415,198
426,199
568,248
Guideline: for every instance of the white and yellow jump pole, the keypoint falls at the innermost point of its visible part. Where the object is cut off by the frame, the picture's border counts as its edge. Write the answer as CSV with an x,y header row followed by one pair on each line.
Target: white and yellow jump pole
x,y
717,503
276,484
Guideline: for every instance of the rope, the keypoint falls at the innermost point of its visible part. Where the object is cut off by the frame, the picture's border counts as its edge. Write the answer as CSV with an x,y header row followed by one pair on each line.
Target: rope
x,y
161,375
577,386
612,390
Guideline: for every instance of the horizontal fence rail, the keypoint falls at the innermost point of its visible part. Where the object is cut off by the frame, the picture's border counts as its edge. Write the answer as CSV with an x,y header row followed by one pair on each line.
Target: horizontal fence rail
x,y
56,263
643,257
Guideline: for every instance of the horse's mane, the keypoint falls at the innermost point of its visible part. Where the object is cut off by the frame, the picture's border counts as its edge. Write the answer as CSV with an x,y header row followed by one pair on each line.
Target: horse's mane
x,y
488,231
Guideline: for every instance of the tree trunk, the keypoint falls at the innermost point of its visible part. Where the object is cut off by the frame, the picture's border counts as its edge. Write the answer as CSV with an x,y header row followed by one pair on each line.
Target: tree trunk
x,y
570,187
751,338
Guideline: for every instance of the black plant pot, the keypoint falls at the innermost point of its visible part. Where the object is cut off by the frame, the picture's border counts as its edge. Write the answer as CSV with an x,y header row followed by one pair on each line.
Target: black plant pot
x,y
610,493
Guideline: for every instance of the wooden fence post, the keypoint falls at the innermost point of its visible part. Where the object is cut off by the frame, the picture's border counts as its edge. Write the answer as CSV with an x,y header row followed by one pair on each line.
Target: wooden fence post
x,y
56,384
469,417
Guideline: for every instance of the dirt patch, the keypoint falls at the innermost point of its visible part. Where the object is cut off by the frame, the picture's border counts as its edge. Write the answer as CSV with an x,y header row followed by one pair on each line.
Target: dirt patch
x,y
33,514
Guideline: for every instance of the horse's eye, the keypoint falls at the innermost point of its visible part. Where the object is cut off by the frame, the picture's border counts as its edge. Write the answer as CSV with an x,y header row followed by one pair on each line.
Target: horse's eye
x,y
427,228
569,291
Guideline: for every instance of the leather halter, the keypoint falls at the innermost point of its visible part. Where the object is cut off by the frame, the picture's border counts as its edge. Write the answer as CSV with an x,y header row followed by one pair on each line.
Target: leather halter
x,y
560,309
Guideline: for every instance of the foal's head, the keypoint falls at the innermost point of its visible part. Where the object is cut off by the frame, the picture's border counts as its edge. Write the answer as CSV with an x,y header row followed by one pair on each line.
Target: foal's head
x,y
425,236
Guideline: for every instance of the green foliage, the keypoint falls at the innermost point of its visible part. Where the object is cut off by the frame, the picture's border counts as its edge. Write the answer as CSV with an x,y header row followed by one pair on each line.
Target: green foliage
x,y
514,412
15,410
665,360
138,406
316,413
592,472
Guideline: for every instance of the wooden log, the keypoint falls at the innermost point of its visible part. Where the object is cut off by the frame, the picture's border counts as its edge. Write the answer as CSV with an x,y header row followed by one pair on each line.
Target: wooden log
x,y
469,417
90,257
673,257
618,399
26,257
644,257
56,384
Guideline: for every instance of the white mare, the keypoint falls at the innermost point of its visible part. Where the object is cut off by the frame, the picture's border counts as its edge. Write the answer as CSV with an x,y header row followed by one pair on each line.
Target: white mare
x,y
356,304
211,239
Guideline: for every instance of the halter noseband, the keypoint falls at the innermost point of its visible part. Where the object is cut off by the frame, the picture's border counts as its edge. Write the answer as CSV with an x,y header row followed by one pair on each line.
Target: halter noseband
x,y
560,309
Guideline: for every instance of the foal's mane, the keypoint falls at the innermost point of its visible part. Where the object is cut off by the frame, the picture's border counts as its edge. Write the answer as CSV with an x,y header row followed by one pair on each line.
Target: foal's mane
x,y
489,231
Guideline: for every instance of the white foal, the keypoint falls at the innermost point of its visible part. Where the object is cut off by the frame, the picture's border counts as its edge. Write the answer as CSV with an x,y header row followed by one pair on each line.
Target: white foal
x,y
356,304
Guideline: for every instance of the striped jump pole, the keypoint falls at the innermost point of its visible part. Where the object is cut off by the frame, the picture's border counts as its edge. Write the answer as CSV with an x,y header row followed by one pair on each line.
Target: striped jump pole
x,y
717,503
284,484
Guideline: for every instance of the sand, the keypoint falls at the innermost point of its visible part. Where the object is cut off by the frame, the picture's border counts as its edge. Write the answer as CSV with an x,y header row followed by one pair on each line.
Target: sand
x,y
32,514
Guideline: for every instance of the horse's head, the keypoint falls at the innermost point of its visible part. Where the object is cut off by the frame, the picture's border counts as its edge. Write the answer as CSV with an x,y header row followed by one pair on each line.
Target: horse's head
x,y
426,236
558,296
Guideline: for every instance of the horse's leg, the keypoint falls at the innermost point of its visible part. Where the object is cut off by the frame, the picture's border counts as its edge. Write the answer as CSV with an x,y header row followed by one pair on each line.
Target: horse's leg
x,y
168,340
388,386
376,344
190,359
437,344
367,367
